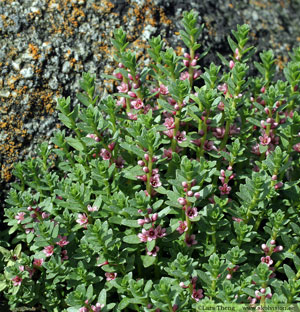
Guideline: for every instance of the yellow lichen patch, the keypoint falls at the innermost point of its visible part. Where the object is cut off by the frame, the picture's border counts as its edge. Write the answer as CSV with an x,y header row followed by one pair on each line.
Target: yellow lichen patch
x,y
33,50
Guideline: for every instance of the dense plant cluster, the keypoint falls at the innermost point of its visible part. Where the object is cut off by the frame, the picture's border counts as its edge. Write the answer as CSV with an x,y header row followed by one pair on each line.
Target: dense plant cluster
x,y
179,190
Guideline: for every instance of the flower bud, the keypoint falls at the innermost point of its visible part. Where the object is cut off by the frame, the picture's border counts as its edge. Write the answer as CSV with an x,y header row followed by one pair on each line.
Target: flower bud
x,y
154,217
146,169
262,90
141,222
190,193
197,195
194,62
181,201
231,64
186,63
269,296
186,55
267,110
146,156
278,185
184,184
149,210
228,276
262,290
274,177
141,163
132,94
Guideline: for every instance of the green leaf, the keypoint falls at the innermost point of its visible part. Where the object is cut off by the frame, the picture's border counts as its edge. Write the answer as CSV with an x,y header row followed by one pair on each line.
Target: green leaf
x,y
131,239
148,260
102,297
75,143
151,245
289,272
130,223
133,149
123,304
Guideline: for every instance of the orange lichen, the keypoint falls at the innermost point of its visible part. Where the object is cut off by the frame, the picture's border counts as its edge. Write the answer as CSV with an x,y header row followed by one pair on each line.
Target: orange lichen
x,y
33,50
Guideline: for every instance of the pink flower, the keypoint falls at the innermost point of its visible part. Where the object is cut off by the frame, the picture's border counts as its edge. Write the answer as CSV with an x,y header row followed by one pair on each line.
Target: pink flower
x,y
48,250
119,162
110,276
155,181
255,149
83,309
163,90
123,88
45,215
153,252
143,236
265,139
64,255
296,147
219,132
182,227
225,189
180,136
17,280
122,102
169,123
63,241
97,307
168,153
197,73
234,130
20,217
160,232
184,75
181,201
209,146
169,133
82,220
151,234
105,154
237,219
223,88
197,294
191,212
267,260
190,240
92,209
38,262
132,116
137,104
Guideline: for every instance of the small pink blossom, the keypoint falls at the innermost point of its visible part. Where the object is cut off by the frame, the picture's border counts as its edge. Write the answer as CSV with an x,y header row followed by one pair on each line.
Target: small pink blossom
x,y
151,234
163,90
155,181
197,294
209,146
110,276
190,240
45,215
191,212
122,102
197,73
265,139
237,219
225,189
181,201
296,147
17,280
82,220
123,88
20,217
137,104
255,149
169,133
153,252
180,136
223,88
143,236
48,250
105,154
63,241
38,262
169,123
83,309
183,227
219,132
64,255
160,232
184,75
267,260
132,116
92,209
97,307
